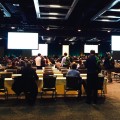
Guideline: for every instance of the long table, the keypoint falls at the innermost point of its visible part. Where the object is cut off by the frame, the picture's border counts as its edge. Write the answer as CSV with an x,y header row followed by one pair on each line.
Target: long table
x,y
60,82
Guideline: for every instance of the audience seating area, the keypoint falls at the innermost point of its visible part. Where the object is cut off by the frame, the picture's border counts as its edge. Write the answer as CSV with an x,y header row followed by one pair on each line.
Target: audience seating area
x,y
59,87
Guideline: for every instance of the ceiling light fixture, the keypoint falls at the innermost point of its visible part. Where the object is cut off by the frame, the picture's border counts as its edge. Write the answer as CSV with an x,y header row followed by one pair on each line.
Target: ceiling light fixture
x,y
114,10
110,16
36,4
55,6
79,30
106,20
51,13
105,9
17,5
47,28
51,18
12,27
72,39
6,13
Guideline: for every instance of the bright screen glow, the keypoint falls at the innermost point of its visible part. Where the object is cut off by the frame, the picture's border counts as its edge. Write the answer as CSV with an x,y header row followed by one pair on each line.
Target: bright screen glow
x,y
65,49
43,50
115,43
22,40
88,48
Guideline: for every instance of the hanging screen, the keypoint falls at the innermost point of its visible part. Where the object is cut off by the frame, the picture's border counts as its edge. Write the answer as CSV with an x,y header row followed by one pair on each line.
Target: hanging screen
x,y
22,40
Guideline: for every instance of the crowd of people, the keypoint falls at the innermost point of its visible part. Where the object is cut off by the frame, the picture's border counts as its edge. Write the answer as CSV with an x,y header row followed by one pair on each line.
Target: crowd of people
x,y
92,63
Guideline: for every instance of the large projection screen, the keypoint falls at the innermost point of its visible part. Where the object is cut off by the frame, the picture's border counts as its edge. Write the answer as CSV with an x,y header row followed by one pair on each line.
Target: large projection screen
x,y
22,40
43,50
65,49
115,43
88,48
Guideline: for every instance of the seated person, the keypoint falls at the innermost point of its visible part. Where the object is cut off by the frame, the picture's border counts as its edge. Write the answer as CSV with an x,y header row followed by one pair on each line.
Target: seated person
x,y
29,78
11,65
58,64
75,73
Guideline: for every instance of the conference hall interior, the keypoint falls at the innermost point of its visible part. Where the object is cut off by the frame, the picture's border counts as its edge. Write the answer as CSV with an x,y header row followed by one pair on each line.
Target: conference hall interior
x,y
53,29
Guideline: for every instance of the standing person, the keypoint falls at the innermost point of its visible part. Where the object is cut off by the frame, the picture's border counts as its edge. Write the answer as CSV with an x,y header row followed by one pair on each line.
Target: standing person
x,y
65,62
38,61
109,65
29,78
92,77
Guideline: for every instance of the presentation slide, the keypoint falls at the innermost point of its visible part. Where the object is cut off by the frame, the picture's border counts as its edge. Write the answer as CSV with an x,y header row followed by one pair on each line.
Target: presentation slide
x,y
88,48
65,49
43,50
22,40
115,43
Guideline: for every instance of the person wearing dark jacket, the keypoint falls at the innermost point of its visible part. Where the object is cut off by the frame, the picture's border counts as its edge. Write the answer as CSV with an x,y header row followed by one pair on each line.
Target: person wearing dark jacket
x,y
92,77
109,65
29,78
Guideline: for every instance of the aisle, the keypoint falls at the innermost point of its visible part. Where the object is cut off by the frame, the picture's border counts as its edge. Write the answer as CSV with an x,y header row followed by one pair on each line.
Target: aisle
x,y
64,110
113,90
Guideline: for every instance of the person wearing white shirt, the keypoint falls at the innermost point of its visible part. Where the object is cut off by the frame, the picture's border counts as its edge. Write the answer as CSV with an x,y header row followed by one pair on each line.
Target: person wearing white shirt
x,y
38,61
65,62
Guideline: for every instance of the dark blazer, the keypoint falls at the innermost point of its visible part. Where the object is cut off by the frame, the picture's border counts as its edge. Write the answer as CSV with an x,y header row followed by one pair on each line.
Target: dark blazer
x,y
27,82
29,78
91,64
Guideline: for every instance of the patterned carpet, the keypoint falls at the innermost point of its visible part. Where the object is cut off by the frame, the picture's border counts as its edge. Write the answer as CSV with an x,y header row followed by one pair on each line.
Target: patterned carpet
x,y
61,109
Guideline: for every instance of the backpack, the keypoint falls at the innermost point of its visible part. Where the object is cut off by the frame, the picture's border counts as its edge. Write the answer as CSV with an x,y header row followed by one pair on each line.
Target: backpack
x,y
67,62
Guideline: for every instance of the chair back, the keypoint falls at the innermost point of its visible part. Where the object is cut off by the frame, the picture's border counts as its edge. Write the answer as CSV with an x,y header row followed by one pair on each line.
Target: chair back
x,y
82,70
48,67
49,81
2,69
6,74
73,82
47,73
1,83
14,71
35,68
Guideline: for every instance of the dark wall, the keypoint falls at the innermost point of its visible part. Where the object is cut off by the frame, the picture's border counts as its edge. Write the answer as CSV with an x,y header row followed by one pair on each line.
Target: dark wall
x,y
116,55
56,49
1,51
104,47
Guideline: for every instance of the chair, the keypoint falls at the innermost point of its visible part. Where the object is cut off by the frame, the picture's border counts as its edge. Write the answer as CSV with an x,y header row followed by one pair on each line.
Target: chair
x,y
48,73
100,85
18,86
6,75
49,84
72,84
14,71
82,70
35,68
48,68
2,69
3,89
64,72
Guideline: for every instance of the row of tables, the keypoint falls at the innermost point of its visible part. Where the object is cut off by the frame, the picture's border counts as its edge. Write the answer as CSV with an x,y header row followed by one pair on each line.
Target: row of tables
x,y
60,82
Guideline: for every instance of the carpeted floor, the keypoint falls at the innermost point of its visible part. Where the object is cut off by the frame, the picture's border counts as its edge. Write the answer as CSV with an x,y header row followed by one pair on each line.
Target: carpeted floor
x,y
61,109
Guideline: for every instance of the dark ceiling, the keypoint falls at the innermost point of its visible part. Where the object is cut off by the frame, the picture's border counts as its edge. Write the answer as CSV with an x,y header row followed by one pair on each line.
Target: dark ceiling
x,y
59,20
